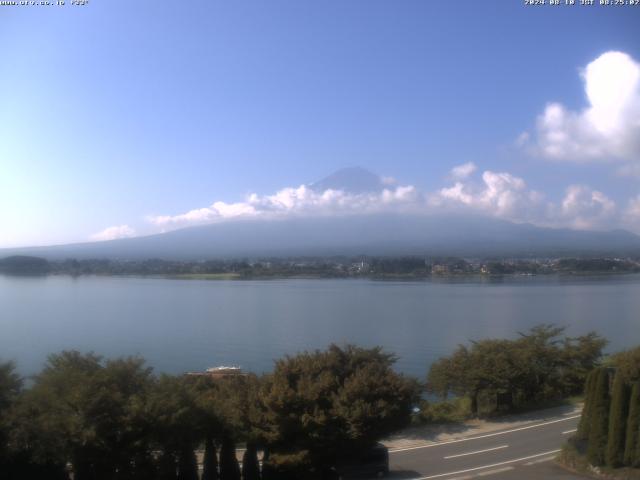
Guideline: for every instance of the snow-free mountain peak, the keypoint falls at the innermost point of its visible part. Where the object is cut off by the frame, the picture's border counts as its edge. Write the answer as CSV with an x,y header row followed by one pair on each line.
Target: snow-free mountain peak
x,y
353,180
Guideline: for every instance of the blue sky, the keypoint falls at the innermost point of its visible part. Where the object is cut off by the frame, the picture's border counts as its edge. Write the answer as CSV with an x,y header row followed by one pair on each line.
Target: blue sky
x,y
117,114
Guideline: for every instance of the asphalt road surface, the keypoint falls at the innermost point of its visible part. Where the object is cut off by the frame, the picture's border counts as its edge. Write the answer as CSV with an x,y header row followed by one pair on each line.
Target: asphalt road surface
x,y
522,453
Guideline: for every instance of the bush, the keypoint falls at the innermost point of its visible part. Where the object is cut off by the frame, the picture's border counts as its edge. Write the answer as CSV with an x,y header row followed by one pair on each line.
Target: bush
x,y
452,411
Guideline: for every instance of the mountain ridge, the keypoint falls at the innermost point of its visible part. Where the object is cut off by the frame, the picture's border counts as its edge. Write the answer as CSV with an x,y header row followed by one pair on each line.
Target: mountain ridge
x,y
372,234
355,180
351,234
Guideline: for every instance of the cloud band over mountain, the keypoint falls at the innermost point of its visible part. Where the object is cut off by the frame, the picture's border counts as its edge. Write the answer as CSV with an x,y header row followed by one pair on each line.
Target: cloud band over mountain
x,y
497,194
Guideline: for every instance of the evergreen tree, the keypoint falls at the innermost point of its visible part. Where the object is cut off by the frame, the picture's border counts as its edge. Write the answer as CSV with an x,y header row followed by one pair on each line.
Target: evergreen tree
x,y
210,462
187,465
617,422
10,387
144,467
229,468
167,467
585,419
627,364
250,465
599,423
633,429
268,472
636,458
28,468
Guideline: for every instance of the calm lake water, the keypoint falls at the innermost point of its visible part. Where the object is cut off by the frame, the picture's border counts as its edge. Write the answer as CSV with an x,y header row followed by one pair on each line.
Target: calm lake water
x,y
180,325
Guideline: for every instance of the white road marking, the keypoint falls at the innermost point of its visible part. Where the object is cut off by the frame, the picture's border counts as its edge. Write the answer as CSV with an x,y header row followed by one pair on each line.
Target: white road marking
x,y
493,472
477,451
439,475
546,459
483,436
569,431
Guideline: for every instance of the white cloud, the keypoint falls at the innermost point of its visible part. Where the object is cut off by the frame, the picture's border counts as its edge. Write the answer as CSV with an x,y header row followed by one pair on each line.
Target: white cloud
x,y
497,194
463,171
631,215
633,208
500,194
503,192
584,208
607,129
506,196
457,193
112,233
300,200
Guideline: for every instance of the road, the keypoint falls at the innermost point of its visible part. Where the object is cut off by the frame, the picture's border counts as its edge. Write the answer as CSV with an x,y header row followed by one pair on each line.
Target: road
x,y
524,453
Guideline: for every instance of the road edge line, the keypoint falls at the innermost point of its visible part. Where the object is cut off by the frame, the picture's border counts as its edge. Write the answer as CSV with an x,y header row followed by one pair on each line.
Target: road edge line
x,y
447,442
439,475
477,451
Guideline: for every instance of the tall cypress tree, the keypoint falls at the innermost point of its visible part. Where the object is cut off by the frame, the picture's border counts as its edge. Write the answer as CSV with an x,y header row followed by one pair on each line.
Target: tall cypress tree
x,y
167,467
268,472
187,465
210,462
144,467
636,458
29,469
229,468
82,469
585,418
599,424
250,465
632,443
617,422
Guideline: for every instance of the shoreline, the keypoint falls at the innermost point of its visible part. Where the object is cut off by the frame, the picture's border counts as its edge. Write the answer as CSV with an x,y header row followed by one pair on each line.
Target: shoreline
x,y
476,277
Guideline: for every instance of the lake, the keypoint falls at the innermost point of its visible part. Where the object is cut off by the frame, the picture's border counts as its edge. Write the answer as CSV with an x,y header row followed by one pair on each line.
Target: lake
x,y
180,325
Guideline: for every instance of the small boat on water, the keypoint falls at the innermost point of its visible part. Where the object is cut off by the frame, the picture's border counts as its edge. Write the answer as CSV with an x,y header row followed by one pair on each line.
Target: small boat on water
x,y
219,372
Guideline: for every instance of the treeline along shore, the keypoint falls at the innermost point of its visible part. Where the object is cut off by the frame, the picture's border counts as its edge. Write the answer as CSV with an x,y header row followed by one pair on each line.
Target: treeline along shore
x,y
93,418
408,267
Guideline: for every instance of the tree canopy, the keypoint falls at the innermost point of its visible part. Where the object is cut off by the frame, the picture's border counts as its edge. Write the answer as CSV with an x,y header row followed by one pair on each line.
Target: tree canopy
x,y
321,405
116,420
537,366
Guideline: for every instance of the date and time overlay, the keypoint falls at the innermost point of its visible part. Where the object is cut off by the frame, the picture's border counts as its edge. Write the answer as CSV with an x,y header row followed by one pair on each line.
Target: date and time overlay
x,y
44,3
528,3
582,3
